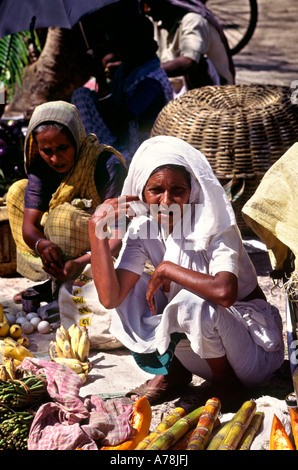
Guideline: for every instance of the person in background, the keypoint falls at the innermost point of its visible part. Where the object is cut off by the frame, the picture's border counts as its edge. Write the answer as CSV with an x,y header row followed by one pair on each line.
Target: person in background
x,y
69,174
122,110
191,44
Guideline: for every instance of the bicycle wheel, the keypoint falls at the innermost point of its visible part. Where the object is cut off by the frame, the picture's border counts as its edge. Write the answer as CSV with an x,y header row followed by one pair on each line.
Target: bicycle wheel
x,y
238,18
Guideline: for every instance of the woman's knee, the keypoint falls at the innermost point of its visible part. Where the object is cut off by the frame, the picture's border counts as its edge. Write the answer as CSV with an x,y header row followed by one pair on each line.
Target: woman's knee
x,y
16,193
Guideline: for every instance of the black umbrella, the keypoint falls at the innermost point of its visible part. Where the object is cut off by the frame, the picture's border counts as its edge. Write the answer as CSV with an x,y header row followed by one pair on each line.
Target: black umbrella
x,y
17,15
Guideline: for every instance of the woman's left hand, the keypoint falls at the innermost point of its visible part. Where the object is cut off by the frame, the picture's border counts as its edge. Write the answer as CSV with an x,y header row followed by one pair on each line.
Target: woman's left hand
x,y
157,280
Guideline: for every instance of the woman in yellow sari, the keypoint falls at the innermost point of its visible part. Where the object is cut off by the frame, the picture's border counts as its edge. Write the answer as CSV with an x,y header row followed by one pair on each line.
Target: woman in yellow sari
x,y
69,175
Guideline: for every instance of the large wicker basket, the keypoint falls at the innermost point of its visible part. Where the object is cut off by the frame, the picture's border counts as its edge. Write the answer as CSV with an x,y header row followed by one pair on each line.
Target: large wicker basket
x,y
241,129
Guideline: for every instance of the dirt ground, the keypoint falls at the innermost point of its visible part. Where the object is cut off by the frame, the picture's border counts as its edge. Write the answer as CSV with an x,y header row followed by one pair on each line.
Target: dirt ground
x,y
269,58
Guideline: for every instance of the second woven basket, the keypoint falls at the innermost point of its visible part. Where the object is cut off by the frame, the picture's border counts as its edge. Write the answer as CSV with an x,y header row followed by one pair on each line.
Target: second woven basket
x,y
241,129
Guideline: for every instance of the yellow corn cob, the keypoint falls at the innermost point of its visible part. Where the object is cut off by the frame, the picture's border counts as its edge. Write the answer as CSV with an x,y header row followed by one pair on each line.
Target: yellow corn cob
x,y
251,431
201,434
240,423
165,424
169,437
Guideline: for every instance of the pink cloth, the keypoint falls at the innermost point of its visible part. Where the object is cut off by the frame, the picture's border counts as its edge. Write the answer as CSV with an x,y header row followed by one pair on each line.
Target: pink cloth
x,y
67,422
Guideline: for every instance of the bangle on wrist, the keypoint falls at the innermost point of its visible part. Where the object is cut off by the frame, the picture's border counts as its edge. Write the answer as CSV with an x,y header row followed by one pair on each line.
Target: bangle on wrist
x,y
36,245
103,98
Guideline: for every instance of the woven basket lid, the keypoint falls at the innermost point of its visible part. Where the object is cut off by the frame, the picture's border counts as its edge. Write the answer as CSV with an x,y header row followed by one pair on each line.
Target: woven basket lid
x,y
241,129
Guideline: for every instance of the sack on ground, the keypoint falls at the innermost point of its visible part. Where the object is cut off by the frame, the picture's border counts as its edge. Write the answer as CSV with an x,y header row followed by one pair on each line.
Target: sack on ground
x,y
79,304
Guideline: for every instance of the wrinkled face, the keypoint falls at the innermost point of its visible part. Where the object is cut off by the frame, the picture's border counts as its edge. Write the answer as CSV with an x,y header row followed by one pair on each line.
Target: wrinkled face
x,y
167,191
57,150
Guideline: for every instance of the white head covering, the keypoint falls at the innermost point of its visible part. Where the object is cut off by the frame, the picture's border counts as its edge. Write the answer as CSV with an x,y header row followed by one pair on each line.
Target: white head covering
x,y
213,211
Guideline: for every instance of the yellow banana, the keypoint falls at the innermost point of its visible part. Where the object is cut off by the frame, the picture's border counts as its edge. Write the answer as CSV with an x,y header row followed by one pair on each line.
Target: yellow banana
x,y
14,349
86,366
9,340
15,331
24,341
16,361
63,341
10,368
54,350
73,364
4,329
84,347
83,377
3,373
64,332
75,340
3,318
71,329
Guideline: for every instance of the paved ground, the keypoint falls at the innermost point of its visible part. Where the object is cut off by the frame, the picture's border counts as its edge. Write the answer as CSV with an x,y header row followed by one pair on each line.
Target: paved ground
x,y
269,58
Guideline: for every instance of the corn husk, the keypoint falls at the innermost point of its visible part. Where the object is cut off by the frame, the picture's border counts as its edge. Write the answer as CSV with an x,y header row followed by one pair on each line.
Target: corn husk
x,y
172,435
201,434
240,423
163,426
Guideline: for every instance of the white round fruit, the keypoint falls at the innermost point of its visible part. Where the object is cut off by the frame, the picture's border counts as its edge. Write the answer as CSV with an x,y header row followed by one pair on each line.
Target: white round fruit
x,y
44,327
35,322
27,328
21,314
31,315
21,320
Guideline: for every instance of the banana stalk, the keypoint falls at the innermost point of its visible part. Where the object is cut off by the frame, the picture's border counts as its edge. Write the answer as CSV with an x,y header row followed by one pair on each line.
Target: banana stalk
x,y
201,434
172,435
240,423
163,426
251,431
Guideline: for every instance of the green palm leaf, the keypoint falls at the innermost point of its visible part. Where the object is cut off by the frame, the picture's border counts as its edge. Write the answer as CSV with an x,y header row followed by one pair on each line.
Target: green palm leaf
x,y
13,59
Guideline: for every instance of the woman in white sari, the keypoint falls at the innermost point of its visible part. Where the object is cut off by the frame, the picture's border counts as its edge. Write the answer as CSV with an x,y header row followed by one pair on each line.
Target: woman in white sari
x,y
201,310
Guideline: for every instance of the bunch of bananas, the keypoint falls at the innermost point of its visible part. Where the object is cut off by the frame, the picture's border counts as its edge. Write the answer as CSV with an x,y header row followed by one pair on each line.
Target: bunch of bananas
x,y
72,348
8,370
12,354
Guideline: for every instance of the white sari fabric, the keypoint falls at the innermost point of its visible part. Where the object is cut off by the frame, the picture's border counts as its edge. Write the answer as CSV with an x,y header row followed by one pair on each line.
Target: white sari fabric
x,y
249,333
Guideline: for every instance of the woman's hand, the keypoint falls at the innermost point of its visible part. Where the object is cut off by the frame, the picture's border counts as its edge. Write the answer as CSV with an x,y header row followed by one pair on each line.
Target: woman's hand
x,y
157,280
51,256
109,212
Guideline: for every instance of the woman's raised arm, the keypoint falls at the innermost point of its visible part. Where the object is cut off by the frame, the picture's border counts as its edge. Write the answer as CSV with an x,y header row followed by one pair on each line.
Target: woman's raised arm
x,y
112,285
